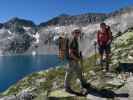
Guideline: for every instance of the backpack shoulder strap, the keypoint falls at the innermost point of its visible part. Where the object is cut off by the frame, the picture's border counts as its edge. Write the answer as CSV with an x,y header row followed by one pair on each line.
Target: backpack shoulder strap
x,y
109,33
70,41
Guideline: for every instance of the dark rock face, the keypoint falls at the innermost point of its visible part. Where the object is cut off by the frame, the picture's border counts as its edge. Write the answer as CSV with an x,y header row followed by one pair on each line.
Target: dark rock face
x,y
20,45
19,23
83,19
1,25
21,40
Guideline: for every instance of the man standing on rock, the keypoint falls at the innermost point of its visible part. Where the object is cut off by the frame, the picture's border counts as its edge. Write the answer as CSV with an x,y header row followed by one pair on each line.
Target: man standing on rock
x,y
104,39
74,62
74,68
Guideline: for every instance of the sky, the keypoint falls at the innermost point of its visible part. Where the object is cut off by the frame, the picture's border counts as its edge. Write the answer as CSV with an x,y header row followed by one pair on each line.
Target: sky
x,y
43,10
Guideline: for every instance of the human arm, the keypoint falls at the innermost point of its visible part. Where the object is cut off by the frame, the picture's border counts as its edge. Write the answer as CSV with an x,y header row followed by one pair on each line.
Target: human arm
x,y
110,35
72,55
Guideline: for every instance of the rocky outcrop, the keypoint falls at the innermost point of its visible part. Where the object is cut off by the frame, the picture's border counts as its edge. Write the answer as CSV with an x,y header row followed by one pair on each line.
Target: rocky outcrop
x,y
49,83
82,20
17,22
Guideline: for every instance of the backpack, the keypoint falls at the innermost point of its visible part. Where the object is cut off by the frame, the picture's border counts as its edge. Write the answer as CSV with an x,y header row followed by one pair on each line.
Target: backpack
x,y
63,44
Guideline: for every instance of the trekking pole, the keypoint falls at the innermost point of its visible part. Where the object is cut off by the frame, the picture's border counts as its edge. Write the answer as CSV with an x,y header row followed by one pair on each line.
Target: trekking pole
x,y
95,46
81,57
81,64
81,60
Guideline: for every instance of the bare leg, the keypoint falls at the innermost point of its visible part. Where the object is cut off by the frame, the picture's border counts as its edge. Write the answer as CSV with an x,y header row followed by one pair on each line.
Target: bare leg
x,y
68,76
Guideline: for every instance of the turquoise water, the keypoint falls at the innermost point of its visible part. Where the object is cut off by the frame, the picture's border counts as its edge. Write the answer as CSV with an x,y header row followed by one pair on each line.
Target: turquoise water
x,y
14,68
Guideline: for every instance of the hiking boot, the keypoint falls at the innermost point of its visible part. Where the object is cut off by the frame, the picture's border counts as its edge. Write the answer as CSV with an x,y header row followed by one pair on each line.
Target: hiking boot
x,y
107,93
69,90
102,64
101,93
104,70
107,68
86,85
84,91
92,90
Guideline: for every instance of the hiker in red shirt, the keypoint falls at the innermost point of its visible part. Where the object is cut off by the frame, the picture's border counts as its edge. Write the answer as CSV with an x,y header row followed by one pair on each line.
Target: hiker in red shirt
x,y
104,39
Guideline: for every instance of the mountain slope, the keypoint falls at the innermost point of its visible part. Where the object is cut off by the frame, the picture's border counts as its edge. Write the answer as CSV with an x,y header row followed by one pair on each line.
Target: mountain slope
x,y
42,38
16,36
18,22
49,83
83,19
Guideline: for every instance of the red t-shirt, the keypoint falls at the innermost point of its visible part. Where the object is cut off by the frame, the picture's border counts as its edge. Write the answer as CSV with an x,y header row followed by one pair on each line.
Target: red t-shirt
x,y
103,37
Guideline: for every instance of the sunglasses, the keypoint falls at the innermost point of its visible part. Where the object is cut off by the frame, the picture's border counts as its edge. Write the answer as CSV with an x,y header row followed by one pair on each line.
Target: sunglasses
x,y
77,32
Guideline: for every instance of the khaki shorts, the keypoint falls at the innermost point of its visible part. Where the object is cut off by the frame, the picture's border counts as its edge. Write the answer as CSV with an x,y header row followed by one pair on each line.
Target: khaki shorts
x,y
72,69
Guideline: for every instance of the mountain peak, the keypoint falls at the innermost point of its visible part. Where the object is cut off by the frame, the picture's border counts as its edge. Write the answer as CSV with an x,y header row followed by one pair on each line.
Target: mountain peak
x,y
14,18
19,22
64,15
